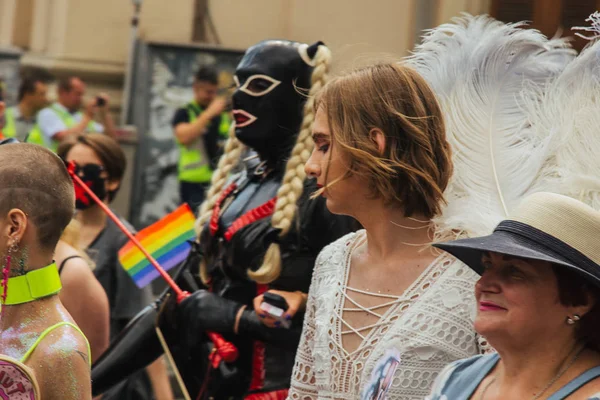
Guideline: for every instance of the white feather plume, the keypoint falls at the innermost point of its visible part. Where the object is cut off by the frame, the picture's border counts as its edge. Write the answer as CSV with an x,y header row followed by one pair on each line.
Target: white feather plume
x,y
483,72
571,109
594,27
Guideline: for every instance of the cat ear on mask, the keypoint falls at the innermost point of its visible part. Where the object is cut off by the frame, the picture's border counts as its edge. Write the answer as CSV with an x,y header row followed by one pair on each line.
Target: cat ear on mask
x,y
307,53
312,49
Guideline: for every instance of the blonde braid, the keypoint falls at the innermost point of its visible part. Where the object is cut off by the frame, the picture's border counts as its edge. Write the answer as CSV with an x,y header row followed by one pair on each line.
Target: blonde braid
x,y
293,179
228,161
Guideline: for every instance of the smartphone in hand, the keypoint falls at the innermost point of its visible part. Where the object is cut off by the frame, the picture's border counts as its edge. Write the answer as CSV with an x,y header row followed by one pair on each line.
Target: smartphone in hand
x,y
275,305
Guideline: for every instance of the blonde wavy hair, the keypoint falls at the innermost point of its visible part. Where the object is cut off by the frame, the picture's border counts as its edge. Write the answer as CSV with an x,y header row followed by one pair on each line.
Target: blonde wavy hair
x,y
415,166
293,180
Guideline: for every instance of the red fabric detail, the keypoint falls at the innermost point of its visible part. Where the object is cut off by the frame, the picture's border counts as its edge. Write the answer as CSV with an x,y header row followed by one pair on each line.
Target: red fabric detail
x,y
5,274
276,395
226,350
261,289
258,356
258,366
214,220
260,212
81,194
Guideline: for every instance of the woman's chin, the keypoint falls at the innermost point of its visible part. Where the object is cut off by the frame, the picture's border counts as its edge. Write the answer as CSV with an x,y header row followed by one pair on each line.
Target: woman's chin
x,y
488,325
335,207
331,206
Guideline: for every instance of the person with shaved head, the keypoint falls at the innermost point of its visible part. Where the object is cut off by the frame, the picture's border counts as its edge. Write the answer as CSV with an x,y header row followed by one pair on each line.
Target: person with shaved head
x,y
42,350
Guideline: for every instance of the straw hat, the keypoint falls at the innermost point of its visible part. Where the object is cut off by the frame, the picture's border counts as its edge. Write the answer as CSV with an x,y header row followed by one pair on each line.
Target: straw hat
x,y
545,226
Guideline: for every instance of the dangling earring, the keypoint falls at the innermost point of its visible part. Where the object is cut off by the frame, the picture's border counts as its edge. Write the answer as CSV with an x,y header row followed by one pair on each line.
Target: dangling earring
x,y
571,321
12,249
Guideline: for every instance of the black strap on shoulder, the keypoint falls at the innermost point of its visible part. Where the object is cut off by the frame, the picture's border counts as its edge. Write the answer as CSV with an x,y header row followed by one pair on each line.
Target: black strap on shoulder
x,y
62,264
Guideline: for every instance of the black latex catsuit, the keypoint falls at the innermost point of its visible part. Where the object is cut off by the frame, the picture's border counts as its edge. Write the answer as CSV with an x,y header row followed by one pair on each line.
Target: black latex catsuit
x,y
228,261
265,363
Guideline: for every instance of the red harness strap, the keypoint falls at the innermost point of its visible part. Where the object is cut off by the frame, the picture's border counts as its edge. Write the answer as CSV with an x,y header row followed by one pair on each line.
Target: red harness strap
x,y
214,219
257,213
260,212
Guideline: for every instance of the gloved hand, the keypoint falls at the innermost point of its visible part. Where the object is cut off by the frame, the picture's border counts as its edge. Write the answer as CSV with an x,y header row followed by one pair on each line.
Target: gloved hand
x,y
250,325
206,311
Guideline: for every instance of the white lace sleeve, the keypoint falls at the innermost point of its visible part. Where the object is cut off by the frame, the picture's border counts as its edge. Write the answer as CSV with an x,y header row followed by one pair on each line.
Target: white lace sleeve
x,y
303,378
484,346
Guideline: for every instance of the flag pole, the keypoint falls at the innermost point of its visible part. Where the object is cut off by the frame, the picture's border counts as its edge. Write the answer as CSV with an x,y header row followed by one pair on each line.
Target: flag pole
x,y
226,350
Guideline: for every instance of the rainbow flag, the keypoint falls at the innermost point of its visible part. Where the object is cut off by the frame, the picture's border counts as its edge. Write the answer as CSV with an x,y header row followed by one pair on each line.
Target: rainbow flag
x,y
166,240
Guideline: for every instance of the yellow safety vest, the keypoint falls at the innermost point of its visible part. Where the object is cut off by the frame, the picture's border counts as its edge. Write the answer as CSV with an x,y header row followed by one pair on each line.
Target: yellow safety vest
x,y
10,126
36,136
194,165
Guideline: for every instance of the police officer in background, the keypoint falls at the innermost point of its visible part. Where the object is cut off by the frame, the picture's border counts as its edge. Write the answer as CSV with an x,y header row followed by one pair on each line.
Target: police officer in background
x,y
200,127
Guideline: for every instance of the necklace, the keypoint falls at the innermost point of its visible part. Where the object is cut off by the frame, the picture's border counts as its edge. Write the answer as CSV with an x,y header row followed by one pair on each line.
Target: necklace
x,y
560,373
487,387
552,381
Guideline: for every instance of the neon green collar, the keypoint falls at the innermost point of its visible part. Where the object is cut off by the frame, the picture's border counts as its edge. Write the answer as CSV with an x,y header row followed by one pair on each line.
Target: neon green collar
x,y
33,285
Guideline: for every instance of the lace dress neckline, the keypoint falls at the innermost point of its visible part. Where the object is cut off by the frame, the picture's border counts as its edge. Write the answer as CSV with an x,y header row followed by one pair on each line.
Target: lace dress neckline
x,y
406,299
428,326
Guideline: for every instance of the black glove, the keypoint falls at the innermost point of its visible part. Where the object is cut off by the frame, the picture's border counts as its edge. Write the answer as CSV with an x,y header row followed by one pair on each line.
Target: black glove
x,y
251,326
206,311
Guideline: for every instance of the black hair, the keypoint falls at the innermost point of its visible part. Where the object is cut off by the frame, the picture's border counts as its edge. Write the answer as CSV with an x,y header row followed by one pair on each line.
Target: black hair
x,y
108,151
30,77
27,86
66,84
574,290
207,74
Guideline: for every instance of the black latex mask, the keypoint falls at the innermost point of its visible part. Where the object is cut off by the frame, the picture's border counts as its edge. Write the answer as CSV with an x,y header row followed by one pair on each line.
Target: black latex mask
x,y
90,174
267,105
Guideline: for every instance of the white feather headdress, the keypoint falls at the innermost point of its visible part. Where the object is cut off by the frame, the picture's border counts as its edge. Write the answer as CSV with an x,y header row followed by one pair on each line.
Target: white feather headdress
x,y
571,111
484,72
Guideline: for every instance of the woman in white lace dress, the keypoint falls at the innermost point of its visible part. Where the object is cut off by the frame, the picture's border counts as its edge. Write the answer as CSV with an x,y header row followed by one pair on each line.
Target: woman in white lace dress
x,y
386,311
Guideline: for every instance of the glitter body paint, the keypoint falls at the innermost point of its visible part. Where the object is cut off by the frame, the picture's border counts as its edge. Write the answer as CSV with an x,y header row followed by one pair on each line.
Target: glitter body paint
x,y
56,355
